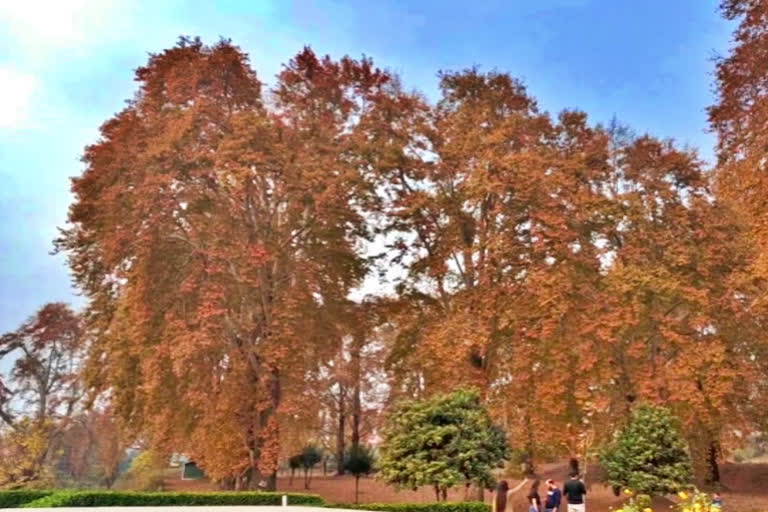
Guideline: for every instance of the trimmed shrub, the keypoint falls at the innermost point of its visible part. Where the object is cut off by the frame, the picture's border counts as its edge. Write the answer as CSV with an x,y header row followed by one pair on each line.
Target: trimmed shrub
x,y
310,456
359,461
441,442
54,499
14,499
159,499
649,456
463,506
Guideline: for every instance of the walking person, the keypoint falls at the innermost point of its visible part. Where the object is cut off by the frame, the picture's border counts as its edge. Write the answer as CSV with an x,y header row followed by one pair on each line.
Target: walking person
x,y
575,491
502,493
554,495
500,499
534,500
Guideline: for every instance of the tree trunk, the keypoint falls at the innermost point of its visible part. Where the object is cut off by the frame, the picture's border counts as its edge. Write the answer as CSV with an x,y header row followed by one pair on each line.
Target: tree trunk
x,y
444,493
271,480
437,492
357,489
355,356
529,445
268,428
275,395
290,479
341,430
713,476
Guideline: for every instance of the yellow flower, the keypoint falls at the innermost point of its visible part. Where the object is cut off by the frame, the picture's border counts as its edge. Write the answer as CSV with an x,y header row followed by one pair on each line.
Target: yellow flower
x,y
697,507
620,510
683,495
687,509
627,491
647,510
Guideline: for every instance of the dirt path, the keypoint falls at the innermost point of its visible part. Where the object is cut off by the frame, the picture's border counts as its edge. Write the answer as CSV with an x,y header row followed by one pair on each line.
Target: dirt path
x,y
746,489
188,509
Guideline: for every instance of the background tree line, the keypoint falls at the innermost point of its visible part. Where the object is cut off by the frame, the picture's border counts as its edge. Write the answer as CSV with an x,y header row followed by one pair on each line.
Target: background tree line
x,y
222,232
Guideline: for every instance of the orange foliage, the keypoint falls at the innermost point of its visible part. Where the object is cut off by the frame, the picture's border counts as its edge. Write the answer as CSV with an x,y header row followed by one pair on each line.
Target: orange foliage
x,y
213,236
565,270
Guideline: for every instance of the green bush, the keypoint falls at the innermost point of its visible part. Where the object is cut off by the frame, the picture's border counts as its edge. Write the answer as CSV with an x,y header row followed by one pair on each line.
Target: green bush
x,y
310,456
464,506
441,442
14,499
53,499
649,456
359,461
159,499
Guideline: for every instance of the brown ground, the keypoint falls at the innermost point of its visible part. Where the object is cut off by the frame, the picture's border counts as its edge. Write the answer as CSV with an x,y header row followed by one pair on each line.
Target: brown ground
x,y
746,489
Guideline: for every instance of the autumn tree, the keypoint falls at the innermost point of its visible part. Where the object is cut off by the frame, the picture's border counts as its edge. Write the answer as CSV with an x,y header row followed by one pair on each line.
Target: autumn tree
x,y
74,461
43,378
24,454
219,231
738,118
675,327
146,471
41,393
494,208
214,234
347,382
553,259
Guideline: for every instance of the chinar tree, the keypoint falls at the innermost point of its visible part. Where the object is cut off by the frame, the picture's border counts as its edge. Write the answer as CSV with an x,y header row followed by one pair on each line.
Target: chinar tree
x,y
213,233
441,442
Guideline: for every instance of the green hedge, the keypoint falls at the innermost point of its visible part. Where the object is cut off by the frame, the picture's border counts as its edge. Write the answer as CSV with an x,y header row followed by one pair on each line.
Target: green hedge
x,y
50,499
462,506
14,499
159,499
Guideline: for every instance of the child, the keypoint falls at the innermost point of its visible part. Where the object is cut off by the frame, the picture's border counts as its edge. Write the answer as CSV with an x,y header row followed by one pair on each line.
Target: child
x,y
717,501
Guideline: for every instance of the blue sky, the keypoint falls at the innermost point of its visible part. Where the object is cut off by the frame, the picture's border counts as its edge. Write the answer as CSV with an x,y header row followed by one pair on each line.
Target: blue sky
x,y
67,65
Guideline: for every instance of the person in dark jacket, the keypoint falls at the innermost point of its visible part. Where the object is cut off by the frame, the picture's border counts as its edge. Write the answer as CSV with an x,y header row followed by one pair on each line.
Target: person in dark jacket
x,y
552,503
575,491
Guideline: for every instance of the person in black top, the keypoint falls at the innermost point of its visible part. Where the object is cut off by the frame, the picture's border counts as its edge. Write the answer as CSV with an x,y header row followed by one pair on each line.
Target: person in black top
x,y
575,491
534,500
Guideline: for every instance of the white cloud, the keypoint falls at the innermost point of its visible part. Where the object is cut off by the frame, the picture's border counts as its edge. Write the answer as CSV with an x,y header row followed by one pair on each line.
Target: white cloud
x,y
43,20
43,26
16,92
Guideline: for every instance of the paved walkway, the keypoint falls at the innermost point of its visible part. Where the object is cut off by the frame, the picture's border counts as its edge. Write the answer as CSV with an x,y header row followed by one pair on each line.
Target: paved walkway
x,y
249,508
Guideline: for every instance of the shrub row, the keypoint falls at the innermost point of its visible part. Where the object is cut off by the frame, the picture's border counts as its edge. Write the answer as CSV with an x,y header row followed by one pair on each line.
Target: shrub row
x,y
159,499
15,499
52,499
